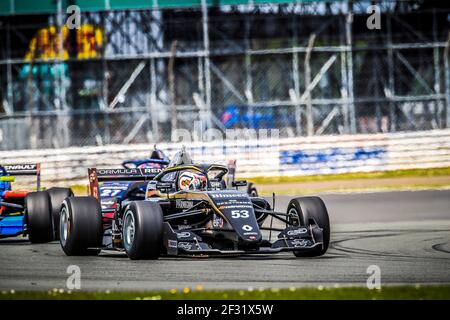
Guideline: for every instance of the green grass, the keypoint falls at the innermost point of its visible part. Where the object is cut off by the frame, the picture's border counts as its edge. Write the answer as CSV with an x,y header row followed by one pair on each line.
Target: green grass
x,y
429,292
359,175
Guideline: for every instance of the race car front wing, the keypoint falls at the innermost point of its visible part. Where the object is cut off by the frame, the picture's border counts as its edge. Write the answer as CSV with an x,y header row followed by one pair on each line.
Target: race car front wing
x,y
289,239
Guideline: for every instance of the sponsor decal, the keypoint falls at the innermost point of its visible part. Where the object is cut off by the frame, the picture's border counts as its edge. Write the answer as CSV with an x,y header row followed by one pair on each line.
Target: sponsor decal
x,y
227,204
185,245
113,172
228,195
110,192
183,204
312,161
296,232
19,167
233,206
107,205
250,233
128,171
172,244
183,227
246,227
299,243
147,171
183,235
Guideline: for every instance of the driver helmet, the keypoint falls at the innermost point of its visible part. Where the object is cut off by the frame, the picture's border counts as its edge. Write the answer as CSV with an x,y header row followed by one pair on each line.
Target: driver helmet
x,y
192,181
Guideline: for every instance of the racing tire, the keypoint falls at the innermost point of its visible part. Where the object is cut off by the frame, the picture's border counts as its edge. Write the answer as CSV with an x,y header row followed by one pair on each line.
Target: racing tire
x,y
39,217
251,190
142,230
80,226
57,197
262,203
304,211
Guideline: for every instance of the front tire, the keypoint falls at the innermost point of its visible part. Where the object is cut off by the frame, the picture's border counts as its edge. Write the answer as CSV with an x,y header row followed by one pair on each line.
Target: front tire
x,y
57,196
80,227
39,217
303,211
142,230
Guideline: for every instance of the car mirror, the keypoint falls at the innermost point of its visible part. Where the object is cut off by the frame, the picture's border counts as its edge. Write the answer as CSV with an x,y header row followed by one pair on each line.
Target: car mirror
x,y
239,183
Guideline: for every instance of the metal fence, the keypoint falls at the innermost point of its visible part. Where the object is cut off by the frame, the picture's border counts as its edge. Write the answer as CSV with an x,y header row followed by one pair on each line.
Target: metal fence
x,y
304,68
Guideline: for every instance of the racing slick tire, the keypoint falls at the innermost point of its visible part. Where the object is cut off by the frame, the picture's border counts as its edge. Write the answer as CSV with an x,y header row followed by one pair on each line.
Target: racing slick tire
x,y
39,217
80,226
251,190
57,196
260,203
302,211
142,230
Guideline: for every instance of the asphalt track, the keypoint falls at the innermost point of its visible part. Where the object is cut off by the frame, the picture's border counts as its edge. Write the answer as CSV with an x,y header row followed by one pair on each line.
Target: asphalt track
x,y
406,234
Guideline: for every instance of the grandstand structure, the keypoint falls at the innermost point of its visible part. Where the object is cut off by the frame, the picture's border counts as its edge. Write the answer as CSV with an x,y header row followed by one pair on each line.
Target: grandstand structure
x,y
134,71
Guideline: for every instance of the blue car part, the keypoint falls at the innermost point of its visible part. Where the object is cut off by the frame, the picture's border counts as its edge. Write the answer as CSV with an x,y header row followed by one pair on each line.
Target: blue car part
x,y
11,225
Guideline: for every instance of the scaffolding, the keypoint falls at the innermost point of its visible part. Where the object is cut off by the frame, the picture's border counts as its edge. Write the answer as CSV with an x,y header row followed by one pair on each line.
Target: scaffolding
x,y
305,68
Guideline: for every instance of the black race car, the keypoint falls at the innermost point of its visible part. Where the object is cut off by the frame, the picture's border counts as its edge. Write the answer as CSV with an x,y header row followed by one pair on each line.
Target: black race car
x,y
189,210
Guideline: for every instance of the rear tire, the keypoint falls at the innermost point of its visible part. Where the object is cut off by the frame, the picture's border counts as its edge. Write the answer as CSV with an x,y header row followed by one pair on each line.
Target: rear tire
x,y
302,211
39,217
142,231
57,197
81,226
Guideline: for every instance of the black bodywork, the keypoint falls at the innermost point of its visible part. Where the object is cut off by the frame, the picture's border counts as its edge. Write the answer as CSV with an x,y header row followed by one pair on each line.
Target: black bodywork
x,y
219,219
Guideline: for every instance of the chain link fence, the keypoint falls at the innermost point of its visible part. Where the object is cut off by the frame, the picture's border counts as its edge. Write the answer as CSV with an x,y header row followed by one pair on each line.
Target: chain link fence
x,y
304,69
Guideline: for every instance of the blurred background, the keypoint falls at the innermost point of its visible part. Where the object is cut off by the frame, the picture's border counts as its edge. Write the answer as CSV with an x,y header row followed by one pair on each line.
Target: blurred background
x,y
357,93
135,70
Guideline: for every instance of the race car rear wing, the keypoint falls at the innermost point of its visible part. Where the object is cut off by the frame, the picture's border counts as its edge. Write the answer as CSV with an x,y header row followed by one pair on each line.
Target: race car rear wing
x,y
122,174
29,169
